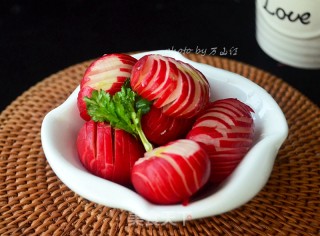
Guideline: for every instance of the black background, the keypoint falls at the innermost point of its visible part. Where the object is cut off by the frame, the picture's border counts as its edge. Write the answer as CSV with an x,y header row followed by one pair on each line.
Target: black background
x,y
39,38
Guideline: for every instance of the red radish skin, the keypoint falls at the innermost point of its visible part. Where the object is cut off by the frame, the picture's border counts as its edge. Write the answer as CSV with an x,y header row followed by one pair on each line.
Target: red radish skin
x,y
183,96
153,76
161,129
225,130
176,87
172,173
167,82
82,107
108,73
198,96
107,152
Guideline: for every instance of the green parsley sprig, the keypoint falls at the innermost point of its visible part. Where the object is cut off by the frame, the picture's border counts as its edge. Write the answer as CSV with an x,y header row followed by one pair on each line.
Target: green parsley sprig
x,y
123,110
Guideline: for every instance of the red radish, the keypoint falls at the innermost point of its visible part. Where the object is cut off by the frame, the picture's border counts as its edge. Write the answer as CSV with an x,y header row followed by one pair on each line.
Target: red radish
x,y
107,152
177,87
161,129
172,173
108,73
225,130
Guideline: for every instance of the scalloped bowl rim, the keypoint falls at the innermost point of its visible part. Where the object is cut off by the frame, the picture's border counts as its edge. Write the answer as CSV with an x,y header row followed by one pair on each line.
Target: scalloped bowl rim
x,y
60,127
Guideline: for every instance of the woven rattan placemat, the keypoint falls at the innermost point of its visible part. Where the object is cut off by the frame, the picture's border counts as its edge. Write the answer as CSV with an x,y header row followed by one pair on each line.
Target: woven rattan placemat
x,y
34,201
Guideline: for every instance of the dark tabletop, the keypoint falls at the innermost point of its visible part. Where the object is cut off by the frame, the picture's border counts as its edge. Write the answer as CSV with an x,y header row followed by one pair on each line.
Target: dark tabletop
x,y
39,38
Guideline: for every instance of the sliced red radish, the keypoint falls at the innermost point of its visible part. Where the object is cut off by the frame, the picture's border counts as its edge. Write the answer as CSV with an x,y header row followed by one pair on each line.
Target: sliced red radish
x,y
107,152
177,87
172,173
108,73
225,130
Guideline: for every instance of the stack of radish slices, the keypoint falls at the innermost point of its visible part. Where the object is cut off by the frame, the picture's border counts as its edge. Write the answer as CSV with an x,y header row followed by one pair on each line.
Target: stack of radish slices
x,y
150,125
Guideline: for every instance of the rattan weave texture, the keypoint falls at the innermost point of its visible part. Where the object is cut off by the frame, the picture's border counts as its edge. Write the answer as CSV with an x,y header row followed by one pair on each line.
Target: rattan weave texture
x,y
33,201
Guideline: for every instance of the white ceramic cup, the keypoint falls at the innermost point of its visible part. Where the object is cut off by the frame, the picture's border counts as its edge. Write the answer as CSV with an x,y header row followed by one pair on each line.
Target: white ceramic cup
x,y
289,31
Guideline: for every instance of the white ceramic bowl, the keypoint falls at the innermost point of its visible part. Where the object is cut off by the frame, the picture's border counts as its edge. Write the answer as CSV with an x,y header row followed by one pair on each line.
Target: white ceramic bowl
x,y
61,125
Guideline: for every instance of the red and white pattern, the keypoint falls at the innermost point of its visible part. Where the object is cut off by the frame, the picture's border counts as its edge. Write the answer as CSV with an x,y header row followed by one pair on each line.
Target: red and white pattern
x,y
172,173
225,129
108,73
176,87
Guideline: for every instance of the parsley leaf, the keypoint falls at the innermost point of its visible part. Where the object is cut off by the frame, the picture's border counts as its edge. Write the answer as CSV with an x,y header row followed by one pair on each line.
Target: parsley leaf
x,y
123,110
